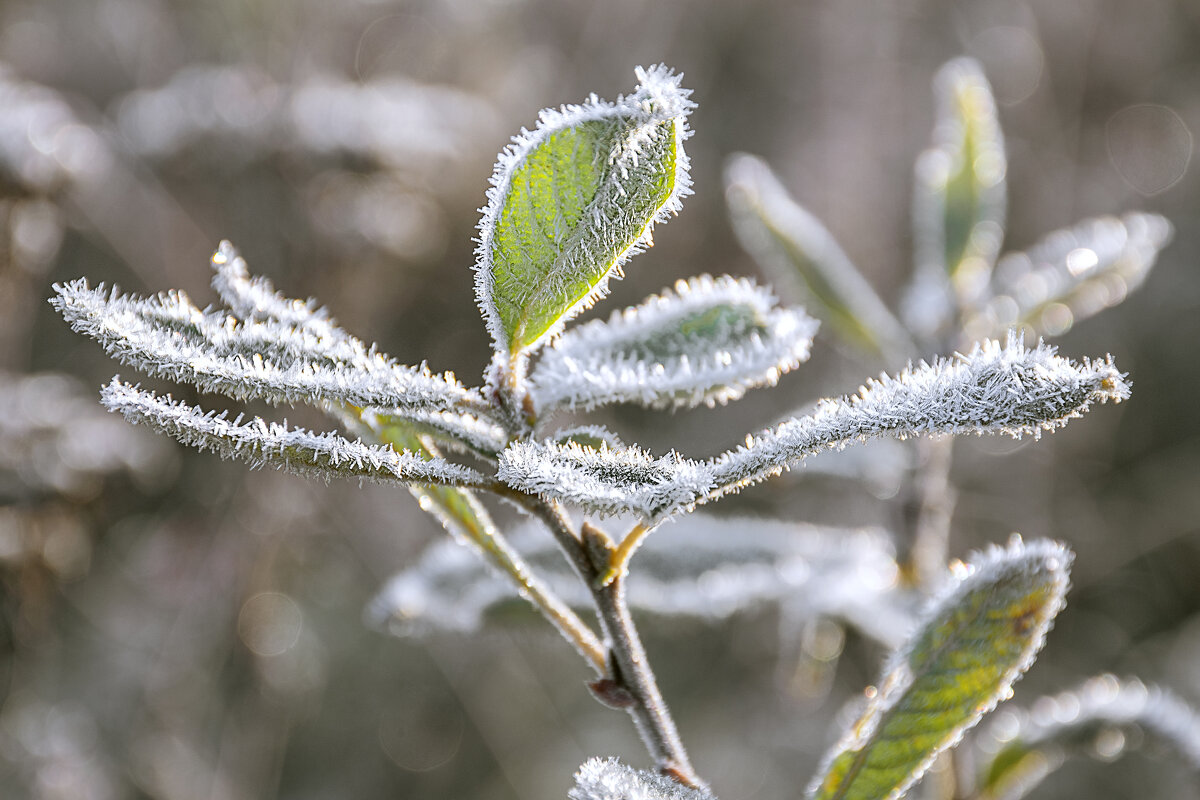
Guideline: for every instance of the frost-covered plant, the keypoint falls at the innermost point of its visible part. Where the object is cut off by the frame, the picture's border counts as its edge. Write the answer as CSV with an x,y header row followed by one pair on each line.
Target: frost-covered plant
x,y
571,202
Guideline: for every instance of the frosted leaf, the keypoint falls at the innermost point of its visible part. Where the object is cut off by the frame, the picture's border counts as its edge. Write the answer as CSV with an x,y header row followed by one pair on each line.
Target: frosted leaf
x,y
261,443
1023,747
961,180
303,359
993,388
976,639
797,250
573,200
699,567
609,779
708,341
1007,389
1073,273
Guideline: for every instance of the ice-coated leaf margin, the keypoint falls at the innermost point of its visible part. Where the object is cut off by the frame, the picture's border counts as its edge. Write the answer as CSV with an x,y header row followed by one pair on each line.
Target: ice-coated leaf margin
x,y
976,639
994,388
609,779
708,341
659,99
261,443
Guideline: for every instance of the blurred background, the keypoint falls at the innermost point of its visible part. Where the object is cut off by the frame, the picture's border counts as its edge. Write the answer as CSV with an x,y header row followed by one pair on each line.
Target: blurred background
x,y
174,626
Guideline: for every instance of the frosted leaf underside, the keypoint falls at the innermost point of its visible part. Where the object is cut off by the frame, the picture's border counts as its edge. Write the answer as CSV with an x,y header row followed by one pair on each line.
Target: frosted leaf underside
x,y
708,341
700,567
572,200
976,639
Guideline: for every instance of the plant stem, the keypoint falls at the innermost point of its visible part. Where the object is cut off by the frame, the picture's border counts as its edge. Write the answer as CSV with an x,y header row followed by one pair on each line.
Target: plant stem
x,y
629,667
925,561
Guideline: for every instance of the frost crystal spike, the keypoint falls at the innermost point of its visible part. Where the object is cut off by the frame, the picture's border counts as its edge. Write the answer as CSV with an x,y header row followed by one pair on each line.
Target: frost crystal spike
x,y
573,200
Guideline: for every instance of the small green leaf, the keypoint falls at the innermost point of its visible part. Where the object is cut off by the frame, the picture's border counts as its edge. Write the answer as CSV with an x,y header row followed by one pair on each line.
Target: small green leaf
x,y
961,180
976,640
570,203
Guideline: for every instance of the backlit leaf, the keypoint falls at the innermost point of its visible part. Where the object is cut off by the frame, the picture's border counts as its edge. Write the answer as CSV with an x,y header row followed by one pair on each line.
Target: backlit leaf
x,y
975,641
572,200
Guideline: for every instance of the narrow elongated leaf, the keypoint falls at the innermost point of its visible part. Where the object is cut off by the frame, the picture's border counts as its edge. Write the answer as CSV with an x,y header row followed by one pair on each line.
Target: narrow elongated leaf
x,y
797,250
708,341
699,566
609,779
261,443
168,336
976,639
572,201
1100,717
960,197
1006,389
1074,273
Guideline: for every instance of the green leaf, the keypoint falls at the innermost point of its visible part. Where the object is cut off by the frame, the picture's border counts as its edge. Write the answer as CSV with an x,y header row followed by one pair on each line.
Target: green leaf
x,y
795,249
572,201
961,180
977,639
